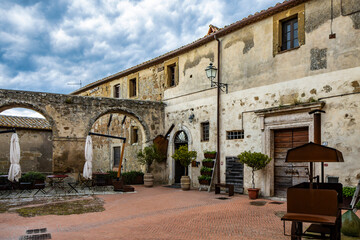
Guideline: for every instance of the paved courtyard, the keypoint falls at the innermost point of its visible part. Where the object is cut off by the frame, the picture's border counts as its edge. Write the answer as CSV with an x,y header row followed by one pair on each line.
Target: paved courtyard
x,y
160,213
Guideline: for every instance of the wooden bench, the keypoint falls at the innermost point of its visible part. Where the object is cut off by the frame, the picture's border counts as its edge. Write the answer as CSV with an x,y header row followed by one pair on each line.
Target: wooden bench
x,y
317,206
223,185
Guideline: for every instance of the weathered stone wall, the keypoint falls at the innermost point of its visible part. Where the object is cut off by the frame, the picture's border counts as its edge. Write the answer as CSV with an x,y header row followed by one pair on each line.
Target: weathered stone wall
x,y
151,85
72,117
319,69
103,147
36,150
258,80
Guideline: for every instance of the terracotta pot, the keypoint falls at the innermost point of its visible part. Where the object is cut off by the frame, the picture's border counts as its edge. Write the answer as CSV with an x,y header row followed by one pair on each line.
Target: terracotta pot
x,y
148,180
253,193
204,182
210,155
185,183
208,164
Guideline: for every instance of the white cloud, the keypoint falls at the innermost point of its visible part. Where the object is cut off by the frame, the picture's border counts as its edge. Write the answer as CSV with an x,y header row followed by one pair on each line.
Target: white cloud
x,y
22,112
62,42
44,46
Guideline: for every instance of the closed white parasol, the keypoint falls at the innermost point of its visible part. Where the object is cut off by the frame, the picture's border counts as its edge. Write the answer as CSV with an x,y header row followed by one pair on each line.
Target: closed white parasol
x,y
87,172
15,169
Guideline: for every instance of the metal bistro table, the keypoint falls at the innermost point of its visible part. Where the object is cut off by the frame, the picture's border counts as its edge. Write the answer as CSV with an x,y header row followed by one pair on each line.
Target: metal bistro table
x,y
57,182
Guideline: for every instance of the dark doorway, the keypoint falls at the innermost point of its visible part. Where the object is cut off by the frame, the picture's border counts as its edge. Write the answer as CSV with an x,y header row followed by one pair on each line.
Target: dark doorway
x,y
181,139
288,174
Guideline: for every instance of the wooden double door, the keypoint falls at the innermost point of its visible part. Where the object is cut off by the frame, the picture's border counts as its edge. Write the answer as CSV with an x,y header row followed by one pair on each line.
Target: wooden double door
x,y
289,174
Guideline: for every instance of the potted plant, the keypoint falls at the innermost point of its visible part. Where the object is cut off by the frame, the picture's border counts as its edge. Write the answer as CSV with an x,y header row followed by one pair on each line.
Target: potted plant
x,y
256,161
348,193
204,179
184,156
28,180
133,177
208,162
146,157
210,154
206,171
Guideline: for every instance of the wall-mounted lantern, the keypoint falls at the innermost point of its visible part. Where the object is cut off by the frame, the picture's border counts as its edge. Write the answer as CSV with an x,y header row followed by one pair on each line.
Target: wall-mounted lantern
x,y
211,74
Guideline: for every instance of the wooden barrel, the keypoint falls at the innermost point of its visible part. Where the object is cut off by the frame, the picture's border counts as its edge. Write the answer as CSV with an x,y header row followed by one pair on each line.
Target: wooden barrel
x,y
185,183
148,180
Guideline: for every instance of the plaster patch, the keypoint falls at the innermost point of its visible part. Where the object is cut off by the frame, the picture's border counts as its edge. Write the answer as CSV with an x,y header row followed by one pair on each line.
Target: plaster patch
x,y
318,59
190,64
313,91
356,86
322,15
327,88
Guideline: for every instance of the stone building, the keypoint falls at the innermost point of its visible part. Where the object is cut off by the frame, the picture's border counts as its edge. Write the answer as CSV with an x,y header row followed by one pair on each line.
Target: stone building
x,y
279,64
35,138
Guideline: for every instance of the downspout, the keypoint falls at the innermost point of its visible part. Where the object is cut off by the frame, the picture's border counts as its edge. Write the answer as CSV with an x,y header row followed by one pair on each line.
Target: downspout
x,y
218,114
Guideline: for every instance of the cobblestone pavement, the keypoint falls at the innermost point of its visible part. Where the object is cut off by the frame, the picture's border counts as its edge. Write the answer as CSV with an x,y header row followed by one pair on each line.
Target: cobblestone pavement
x,y
160,213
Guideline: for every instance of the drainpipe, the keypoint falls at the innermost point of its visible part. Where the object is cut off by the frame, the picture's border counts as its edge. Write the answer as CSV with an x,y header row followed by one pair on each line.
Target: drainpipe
x,y
218,113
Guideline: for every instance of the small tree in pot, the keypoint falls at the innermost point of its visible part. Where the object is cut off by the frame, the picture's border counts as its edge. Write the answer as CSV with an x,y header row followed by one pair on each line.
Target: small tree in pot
x,y
184,156
256,161
146,157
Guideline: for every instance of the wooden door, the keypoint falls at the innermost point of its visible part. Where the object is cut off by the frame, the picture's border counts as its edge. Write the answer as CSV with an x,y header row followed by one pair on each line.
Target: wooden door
x,y
289,174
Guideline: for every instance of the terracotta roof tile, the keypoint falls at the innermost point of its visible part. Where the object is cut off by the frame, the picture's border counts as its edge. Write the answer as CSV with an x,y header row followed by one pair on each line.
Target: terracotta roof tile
x,y
24,122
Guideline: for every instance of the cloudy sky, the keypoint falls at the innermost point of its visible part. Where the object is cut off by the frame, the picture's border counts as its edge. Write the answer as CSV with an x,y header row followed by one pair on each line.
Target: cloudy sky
x,y
44,45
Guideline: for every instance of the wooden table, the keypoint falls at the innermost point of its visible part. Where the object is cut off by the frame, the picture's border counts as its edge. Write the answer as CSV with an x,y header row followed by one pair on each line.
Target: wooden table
x,y
57,182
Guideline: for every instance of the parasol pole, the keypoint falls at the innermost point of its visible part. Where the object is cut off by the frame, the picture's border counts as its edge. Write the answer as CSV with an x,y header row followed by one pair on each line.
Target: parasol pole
x,y
121,159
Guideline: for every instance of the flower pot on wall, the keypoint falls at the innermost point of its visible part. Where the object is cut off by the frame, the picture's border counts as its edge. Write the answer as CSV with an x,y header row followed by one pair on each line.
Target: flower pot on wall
x,y
208,164
204,182
210,155
206,173
253,193
185,183
148,180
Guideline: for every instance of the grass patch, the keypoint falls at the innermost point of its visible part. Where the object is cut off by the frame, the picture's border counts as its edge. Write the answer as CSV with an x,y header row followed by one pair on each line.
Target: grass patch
x,y
63,208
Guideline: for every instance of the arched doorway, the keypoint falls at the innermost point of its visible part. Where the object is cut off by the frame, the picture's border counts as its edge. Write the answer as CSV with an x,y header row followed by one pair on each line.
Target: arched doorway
x,y
180,139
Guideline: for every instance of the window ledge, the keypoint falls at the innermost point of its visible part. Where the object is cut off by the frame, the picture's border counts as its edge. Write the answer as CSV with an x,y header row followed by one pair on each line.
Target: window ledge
x,y
288,50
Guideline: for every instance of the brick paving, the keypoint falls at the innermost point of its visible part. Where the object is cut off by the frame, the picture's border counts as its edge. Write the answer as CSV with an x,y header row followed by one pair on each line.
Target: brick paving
x,y
159,213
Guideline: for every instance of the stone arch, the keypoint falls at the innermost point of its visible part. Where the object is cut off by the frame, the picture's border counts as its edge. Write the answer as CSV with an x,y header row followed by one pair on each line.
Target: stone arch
x,y
33,107
41,163
145,129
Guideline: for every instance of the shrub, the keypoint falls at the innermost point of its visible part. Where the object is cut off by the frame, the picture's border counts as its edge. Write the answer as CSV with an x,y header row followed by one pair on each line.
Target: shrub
x,y
254,160
204,177
130,177
209,152
205,169
207,160
348,191
32,177
184,156
113,174
148,155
